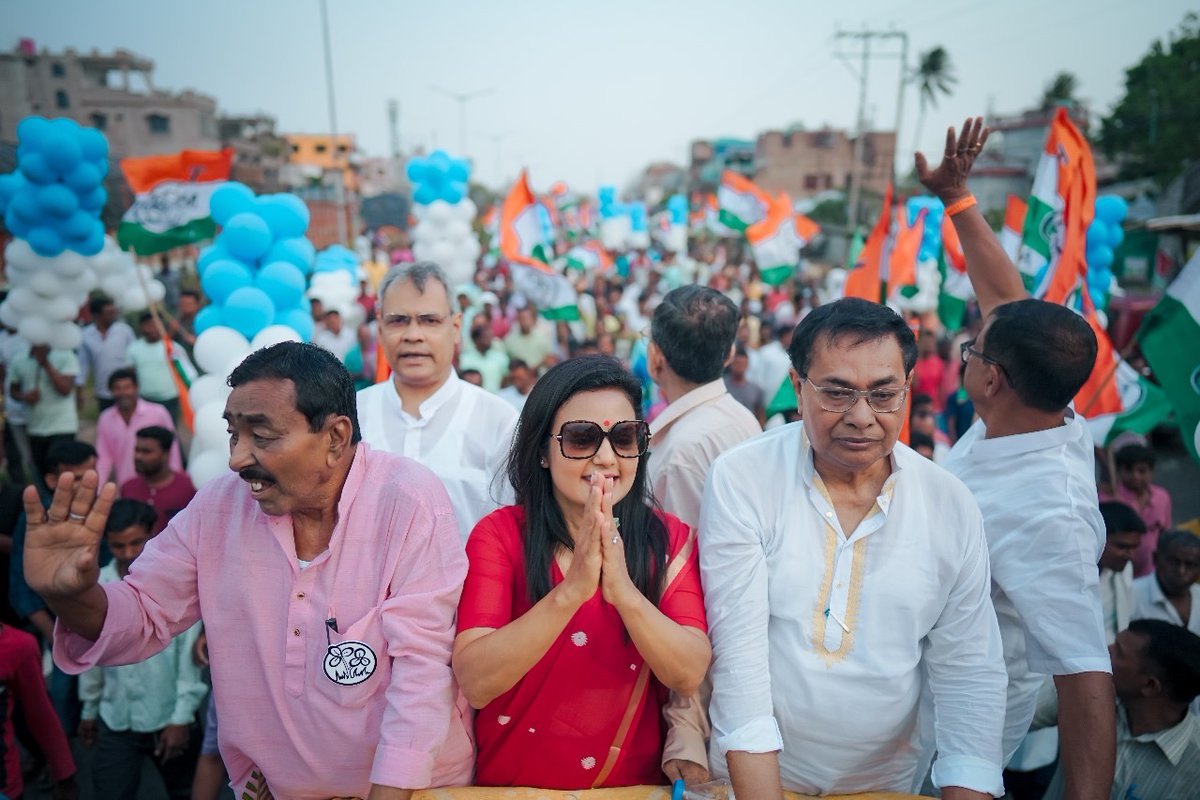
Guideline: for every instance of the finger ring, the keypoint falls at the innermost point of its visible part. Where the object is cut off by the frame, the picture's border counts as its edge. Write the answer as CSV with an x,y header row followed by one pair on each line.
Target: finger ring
x,y
614,539
76,517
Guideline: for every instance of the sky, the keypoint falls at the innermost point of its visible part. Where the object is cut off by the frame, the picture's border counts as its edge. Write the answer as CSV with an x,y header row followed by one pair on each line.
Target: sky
x,y
592,92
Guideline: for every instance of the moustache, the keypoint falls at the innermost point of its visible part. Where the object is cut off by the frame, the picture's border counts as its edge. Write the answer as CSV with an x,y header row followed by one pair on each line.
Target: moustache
x,y
252,474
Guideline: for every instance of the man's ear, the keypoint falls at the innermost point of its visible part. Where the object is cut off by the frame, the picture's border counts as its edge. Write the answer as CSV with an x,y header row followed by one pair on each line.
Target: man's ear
x,y
341,431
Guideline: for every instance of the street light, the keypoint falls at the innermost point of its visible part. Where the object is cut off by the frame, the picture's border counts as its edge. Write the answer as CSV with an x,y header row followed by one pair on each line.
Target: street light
x,y
462,98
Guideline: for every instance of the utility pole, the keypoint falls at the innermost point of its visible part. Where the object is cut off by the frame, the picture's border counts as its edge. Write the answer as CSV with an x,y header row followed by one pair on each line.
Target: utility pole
x,y
394,127
462,98
339,177
864,38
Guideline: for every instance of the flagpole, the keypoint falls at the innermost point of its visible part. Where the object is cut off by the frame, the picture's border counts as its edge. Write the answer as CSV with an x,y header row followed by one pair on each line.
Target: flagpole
x,y
339,189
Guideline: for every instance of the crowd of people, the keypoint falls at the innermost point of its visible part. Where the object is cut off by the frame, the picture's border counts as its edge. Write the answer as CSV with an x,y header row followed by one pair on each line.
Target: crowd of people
x,y
574,554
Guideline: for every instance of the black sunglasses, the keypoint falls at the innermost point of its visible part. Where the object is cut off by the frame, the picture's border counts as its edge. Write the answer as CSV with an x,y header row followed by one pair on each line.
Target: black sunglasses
x,y
579,439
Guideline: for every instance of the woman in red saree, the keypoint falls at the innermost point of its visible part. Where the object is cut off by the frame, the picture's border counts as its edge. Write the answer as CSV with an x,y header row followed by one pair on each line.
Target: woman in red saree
x,y
582,607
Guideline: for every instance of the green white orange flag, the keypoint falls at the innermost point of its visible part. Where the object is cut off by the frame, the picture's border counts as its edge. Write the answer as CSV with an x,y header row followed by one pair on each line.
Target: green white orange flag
x,y
1052,257
741,202
1170,340
866,278
589,257
171,194
1014,223
776,242
956,291
529,255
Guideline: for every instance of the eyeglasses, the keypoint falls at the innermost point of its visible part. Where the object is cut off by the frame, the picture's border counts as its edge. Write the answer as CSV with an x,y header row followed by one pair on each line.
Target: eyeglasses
x,y
581,439
967,349
839,400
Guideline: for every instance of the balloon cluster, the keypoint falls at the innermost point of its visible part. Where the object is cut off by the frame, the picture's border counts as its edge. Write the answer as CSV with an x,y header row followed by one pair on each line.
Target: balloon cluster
x,y
54,199
443,233
439,177
254,274
335,284
930,248
674,238
45,295
1104,236
622,225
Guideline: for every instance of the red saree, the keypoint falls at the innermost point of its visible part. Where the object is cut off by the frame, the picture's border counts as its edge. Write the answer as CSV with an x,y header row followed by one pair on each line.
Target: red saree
x,y
589,713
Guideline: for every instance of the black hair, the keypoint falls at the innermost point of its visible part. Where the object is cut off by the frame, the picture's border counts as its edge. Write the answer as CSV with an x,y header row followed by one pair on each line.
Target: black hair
x,y
1047,351
862,320
921,399
68,453
517,363
1133,454
1176,538
145,317
159,434
190,293
126,512
917,439
99,303
463,373
1173,655
642,530
320,382
1120,518
122,374
694,327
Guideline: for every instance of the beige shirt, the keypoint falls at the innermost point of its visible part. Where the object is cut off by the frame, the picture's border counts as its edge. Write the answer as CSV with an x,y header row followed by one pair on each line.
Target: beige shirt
x,y
1116,597
684,440
687,437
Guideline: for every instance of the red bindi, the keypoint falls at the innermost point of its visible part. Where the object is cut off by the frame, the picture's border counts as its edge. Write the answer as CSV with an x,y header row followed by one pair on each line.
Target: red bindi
x,y
607,423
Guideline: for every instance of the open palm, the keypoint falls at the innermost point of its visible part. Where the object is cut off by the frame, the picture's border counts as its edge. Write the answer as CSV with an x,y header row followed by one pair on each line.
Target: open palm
x,y
62,542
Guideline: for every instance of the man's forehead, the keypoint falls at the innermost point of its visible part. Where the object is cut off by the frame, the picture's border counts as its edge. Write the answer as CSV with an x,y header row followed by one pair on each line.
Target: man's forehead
x,y
263,400
850,350
404,298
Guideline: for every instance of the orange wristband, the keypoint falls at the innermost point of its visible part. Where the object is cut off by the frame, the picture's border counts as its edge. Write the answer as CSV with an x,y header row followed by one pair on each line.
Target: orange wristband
x,y
959,206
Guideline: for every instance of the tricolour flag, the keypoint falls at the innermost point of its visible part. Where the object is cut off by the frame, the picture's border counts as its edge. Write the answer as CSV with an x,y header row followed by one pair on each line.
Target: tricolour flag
x,y
589,257
866,278
170,207
1014,223
1052,257
1170,340
741,202
956,289
776,242
522,242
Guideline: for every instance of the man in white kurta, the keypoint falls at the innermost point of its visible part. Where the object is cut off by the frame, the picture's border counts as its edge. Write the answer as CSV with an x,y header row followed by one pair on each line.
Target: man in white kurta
x,y
852,623
424,411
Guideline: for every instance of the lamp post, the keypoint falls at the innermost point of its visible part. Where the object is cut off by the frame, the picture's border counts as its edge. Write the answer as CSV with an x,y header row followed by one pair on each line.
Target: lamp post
x,y
339,178
462,98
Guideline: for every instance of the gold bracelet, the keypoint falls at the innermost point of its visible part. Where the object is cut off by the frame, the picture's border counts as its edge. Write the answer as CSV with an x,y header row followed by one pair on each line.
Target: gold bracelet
x,y
959,206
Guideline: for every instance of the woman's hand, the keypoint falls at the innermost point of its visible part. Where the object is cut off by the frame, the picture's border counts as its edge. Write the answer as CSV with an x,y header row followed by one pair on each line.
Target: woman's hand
x,y
619,589
583,576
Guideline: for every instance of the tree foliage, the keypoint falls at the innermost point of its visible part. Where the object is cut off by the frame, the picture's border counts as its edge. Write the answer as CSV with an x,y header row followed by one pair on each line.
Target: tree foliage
x,y
1060,91
1154,131
933,76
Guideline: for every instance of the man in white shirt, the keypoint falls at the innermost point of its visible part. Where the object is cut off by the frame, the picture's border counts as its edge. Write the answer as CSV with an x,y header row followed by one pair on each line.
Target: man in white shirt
x,y
155,372
425,412
771,362
1030,464
145,710
856,571
1123,529
1171,593
103,348
334,336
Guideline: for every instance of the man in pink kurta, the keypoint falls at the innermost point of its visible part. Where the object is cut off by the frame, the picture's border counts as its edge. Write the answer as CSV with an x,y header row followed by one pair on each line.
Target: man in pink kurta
x,y
117,427
331,676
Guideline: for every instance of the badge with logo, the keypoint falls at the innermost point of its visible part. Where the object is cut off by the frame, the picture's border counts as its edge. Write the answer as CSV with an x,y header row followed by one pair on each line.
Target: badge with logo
x,y
349,663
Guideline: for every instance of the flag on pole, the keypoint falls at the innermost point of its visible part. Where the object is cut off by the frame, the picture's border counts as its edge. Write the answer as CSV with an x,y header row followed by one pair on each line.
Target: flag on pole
x,y
902,263
170,206
589,257
1170,341
866,278
741,203
776,242
1052,258
1144,406
1014,222
182,374
522,242
956,291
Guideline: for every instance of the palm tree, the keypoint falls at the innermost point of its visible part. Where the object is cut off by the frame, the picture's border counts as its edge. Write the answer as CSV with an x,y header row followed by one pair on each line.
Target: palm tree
x,y
934,76
1060,91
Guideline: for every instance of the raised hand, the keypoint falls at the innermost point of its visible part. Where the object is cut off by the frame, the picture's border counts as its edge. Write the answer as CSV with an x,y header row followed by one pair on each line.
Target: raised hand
x,y
618,587
583,576
62,542
949,181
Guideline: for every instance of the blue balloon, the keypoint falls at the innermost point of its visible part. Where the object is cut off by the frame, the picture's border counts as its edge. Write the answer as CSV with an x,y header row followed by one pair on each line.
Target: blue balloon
x,y
1100,257
459,170
26,206
229,200
94,146
83,178
209,317
223,278
35,168
300,320
425,194
61,150
10,184
45,241
80,225
454,192
32,131
298,251
1111,208
246,236
1116,235
1097,233
94,200
282,282
416,170
285,214
214,252
17,226
91,245
248,310
57,200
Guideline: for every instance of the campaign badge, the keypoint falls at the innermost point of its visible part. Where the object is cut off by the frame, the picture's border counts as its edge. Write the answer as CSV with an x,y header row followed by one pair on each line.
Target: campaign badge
x,y
350,663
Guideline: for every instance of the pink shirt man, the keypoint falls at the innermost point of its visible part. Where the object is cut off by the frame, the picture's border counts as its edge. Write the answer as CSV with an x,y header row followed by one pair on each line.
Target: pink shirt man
x,y
115,439
1156,513
290,712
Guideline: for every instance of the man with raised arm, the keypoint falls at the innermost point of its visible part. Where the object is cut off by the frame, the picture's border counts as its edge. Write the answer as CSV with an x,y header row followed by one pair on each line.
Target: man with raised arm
x,y
1030,464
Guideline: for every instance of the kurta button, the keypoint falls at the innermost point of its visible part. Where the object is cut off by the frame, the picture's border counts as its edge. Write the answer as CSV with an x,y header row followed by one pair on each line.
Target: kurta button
x,y
300,595
296,632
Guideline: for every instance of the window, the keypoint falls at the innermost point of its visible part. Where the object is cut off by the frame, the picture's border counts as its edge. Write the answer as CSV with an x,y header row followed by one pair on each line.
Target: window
x,y
342,149
321,148
61,100
58,70
810,182
100,121
158,123
828,181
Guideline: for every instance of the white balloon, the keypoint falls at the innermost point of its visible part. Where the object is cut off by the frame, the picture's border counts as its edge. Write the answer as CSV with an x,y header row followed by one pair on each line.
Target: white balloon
x,y
60,309
457,229
273,334
439,211
24,301
465,209
459,270
425,232
36,330
157,291
211,431
418,211
68,264
422,251
354,315
19,254
147,275
205,466
207,389
115,285
82,284
443,253
132,299
47,284
66,337
217,346
469,248
10,317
